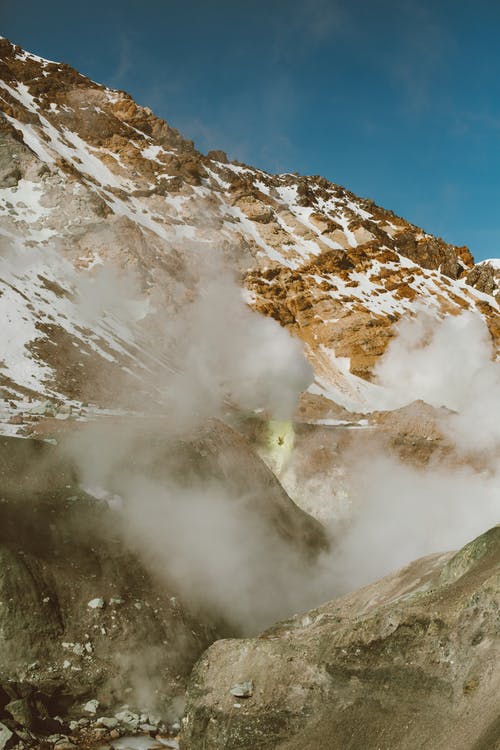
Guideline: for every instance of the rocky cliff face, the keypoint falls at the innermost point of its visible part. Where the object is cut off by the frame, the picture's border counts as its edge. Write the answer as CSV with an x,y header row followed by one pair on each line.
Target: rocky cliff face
x,y
88,180
485,276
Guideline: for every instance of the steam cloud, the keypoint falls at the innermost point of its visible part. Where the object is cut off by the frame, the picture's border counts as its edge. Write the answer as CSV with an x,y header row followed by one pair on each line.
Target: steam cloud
x,y
448,362
398,511
225,353
215,353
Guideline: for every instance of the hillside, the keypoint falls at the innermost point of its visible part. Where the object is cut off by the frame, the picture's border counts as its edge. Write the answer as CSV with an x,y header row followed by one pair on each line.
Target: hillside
x,y
228,397
90,180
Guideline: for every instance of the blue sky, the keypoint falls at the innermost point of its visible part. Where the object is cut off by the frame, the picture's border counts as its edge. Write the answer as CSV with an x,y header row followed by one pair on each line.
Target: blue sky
x,y
396,100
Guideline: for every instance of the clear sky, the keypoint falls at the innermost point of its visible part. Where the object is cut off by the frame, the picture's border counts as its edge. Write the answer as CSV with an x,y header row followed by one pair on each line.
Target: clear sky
x,y
397,100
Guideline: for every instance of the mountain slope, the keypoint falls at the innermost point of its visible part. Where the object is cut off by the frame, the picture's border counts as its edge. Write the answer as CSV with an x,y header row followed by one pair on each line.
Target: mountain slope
x,y
409,661
88,180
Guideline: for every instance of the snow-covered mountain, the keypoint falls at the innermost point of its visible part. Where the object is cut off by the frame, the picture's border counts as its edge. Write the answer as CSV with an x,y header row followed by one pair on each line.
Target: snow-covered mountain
x,y
141,277
90,181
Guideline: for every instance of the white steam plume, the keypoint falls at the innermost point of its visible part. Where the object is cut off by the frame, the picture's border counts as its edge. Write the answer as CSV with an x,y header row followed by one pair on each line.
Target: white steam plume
x,y
385,512
214,354
450,363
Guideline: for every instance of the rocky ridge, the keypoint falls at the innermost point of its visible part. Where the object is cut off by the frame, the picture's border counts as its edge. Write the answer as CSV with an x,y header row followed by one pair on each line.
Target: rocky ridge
x,y
89,179
407,662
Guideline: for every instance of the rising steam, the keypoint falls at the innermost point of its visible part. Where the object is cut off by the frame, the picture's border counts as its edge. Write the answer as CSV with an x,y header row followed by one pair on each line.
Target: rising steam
x,y
385,512
217,356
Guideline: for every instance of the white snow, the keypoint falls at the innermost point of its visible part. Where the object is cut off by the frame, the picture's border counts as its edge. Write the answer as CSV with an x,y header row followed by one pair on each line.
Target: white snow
x,y
31,139
90,164
361,423
26,200
494,262
248,227
18,331
238,169
152,152
23,55
358,210
25,300
344,222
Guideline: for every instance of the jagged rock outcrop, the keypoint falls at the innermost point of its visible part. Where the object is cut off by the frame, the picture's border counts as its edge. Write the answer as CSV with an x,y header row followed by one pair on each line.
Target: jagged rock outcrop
x,y
485,277
409,661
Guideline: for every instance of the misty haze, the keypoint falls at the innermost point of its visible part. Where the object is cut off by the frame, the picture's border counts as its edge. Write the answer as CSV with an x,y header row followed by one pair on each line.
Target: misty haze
x,y
249,420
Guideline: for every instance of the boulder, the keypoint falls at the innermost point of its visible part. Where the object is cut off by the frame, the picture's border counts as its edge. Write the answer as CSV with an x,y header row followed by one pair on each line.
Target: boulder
x,y
218,155
6,736
484,277
410,661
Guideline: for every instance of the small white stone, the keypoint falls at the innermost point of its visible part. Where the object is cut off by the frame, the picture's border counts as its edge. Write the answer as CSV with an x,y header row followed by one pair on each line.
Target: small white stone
x,y
5,735
107,721
91,706
128,718
97,603
242,689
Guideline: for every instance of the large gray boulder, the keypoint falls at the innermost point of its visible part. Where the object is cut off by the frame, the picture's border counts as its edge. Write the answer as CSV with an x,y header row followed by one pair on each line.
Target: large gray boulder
x,y
410,661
